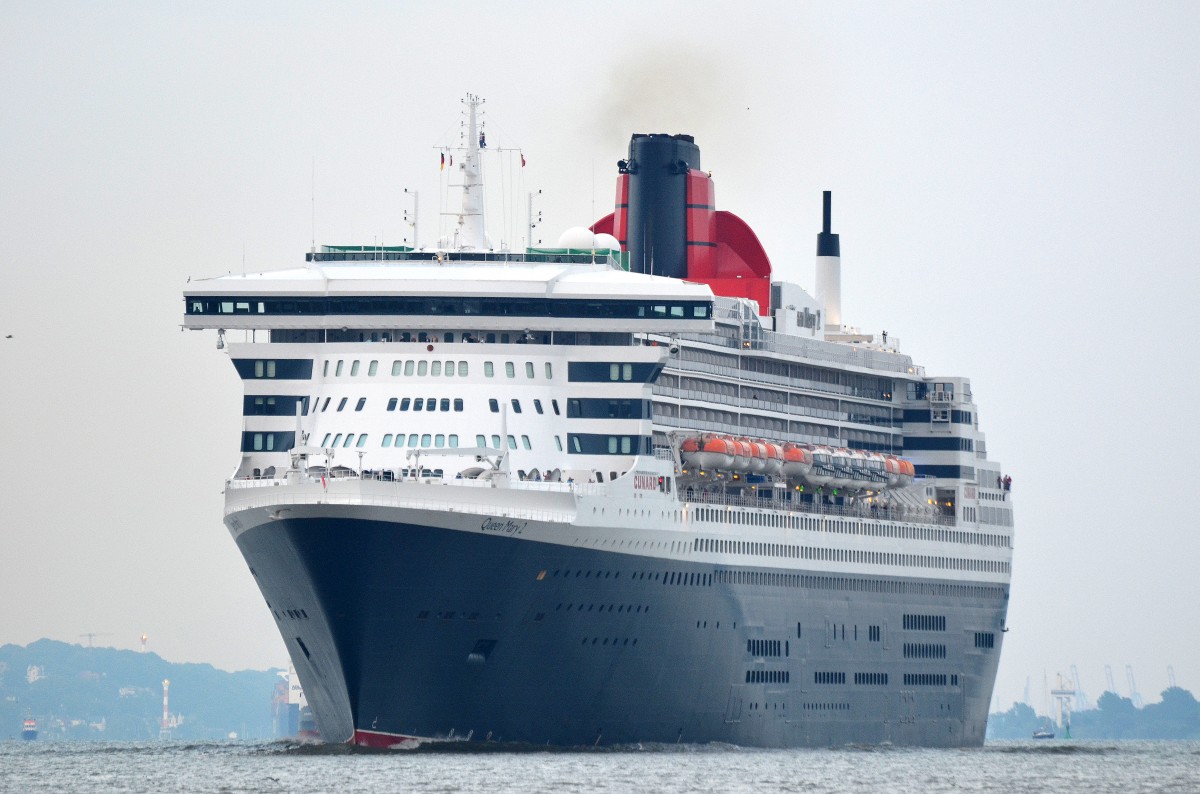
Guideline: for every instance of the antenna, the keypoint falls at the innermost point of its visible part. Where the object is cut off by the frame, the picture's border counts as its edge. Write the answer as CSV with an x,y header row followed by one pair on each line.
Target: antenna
x,y
314,204
411,220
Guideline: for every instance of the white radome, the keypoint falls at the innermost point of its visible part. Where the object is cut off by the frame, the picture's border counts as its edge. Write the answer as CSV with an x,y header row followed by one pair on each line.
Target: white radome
x,y
582,239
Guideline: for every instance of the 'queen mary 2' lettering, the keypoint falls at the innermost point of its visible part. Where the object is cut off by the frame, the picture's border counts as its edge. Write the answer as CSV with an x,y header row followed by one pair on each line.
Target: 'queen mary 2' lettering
x,y
503,527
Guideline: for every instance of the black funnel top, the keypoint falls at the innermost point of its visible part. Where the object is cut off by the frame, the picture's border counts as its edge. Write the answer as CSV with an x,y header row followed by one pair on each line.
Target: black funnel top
x,y
657,233
827,242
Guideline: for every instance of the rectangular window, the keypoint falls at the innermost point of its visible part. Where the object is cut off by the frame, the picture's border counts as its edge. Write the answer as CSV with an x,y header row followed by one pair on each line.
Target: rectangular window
x,y
412,440
397,367
496,441
354,367
512,442
431,404
529,369
336,440
449,369
516,404
325,369
525,442
481,441
445,404
391,406
439,440
558,443
372,368
387,440
338,372
549,371
426,438
510,369
362,401
342,403
554,405
458,404
462,369
408,367
494,405
419,404
453,439
435,368
488,369
537,406
349,440
422,368
404,403
362,440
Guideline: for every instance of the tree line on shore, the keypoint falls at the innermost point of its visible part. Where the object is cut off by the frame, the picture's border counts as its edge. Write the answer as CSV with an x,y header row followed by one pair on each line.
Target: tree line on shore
x,y
1176,716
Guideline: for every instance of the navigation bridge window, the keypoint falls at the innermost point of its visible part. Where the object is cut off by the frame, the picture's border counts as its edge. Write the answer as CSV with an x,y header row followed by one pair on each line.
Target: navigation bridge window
x,y
447,306
597,444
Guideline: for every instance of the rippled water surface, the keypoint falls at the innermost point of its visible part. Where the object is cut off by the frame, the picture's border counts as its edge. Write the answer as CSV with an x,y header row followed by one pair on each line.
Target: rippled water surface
x,y
235,767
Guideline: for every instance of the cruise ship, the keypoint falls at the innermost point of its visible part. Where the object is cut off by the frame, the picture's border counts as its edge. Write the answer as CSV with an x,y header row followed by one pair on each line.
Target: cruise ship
x,y
631,488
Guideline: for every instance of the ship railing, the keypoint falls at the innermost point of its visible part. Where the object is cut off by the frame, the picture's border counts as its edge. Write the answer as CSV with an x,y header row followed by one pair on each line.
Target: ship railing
x,y
291,497
578,488
893,513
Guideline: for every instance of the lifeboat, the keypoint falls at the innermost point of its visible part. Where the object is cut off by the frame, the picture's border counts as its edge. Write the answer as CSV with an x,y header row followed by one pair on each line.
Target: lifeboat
x,y
774,460
758,457
822,472
843,469
741,455
907,472
797,461
713,452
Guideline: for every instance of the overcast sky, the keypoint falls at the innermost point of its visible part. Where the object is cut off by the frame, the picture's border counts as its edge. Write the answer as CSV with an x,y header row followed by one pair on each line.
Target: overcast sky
x,y
1015,184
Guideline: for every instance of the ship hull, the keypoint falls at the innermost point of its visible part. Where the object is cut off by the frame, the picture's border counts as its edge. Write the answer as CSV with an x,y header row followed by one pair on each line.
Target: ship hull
x,y
404,629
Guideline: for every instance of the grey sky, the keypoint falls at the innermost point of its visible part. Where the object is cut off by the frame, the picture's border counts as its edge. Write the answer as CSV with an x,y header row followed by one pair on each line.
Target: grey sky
x,y
1016,186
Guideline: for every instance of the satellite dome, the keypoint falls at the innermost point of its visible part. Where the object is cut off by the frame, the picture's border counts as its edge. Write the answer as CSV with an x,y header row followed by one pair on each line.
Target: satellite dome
x,y
582,239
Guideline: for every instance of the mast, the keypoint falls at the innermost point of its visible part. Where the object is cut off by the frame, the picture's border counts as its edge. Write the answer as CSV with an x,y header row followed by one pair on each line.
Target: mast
x,y
471,234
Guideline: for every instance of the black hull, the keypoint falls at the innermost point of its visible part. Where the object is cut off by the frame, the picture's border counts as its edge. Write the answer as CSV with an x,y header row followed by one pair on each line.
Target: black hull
x,y
428,632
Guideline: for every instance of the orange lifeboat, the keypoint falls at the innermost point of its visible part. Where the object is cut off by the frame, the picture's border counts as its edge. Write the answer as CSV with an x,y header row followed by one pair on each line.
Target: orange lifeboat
x,y
741,456
713,452
797,461
774,458
758,457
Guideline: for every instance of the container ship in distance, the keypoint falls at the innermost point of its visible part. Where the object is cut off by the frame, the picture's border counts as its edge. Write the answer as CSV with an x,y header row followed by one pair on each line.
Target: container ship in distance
x,y
630,489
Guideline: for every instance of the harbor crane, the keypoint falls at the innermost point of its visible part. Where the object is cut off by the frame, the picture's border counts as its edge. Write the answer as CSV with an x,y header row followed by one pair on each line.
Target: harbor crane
x,y
1112,687
1134,695
1081,700
1171,677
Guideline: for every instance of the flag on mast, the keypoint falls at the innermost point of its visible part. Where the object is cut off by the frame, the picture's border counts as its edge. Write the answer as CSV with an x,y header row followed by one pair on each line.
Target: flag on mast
x,y
442,167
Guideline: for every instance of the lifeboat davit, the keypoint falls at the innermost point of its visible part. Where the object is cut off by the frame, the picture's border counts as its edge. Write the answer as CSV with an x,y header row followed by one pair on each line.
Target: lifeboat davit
x,y
713,452
797,461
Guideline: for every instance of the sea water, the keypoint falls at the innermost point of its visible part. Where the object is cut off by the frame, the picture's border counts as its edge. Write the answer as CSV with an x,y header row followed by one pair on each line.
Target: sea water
x,y
1019,766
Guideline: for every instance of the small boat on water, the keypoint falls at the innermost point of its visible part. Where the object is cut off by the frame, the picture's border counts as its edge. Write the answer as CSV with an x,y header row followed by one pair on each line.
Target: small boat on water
x,y
1045,732
29,729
